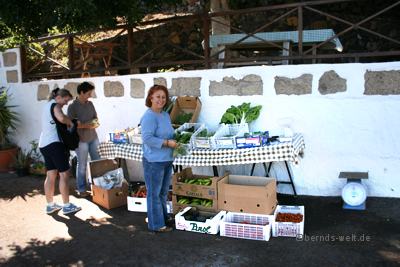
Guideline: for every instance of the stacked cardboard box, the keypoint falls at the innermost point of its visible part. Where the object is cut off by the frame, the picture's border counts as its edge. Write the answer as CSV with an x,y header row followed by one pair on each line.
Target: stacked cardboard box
x,y
249,194
186,185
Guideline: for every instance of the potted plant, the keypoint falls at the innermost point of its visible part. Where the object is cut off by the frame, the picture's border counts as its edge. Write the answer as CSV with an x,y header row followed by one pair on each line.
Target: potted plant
x,y
22,163
37,166
8,122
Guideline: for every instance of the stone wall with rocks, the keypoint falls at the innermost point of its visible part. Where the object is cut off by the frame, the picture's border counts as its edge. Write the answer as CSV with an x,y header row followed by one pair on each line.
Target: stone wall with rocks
x,y
347,114
10,67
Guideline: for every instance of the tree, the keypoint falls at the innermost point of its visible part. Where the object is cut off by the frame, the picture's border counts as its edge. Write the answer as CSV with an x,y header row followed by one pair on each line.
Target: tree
x,y
23,20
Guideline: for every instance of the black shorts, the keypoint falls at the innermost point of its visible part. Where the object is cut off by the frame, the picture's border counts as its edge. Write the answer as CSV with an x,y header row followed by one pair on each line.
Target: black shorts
x,y
56,157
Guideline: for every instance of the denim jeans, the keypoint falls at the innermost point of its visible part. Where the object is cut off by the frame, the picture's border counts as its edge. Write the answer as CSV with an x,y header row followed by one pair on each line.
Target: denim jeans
x,y
82,152
157,176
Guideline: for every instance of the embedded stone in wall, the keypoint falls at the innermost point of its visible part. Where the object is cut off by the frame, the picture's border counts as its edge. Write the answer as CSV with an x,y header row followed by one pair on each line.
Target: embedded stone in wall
x,y
226,87
331,83
10,59
297,86
250,85
12,76
137,88
43,92
382,82
71,87
160,81
186,86
113,89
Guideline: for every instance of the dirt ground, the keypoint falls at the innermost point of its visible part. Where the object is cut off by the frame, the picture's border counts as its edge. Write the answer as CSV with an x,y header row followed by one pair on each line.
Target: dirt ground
x,y
100,237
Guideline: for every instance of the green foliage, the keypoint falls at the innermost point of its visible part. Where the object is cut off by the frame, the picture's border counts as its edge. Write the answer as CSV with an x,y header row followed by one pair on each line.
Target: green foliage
x,y
183,118
24,20
241,114
22,159
8,119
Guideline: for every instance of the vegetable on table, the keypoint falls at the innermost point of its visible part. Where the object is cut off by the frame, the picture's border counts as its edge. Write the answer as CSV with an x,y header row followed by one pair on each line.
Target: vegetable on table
x,y
241,114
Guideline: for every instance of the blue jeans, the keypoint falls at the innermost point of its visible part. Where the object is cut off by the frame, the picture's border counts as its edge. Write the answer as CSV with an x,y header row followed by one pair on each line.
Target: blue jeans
x,y
157,176
82,152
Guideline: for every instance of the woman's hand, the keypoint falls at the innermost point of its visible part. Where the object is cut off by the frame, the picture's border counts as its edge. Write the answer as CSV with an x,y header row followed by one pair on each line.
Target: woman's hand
x,y
172,144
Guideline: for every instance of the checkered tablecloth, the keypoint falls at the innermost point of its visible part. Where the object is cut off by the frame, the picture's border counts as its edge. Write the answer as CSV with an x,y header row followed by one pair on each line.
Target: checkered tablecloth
x,y
278,151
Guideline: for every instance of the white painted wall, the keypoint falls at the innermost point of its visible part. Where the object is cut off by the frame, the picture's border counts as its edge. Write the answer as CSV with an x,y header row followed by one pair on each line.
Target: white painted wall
x,y
345,131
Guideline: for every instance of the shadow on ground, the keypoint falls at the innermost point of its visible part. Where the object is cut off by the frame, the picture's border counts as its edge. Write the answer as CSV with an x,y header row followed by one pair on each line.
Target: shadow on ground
x,y
12,186
333,237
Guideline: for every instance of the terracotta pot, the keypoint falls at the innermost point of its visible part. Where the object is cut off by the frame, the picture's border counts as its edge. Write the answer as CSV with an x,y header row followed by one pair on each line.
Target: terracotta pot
x,y
7,157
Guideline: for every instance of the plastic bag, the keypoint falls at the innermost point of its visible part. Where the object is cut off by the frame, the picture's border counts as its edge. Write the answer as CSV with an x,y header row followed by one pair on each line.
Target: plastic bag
x,y
110,179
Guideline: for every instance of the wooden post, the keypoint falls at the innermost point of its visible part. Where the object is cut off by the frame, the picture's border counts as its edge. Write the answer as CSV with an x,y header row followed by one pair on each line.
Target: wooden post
x,y
71,61
206,45
23,63
130,47
300,29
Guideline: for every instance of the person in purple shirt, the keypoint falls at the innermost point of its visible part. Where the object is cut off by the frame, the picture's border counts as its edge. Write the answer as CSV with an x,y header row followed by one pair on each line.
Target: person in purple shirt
x,y
158,146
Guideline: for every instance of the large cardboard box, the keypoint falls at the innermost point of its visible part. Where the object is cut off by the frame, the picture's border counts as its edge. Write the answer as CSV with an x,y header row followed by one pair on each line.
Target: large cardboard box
x,y
179,187
249,194
111,198
186,104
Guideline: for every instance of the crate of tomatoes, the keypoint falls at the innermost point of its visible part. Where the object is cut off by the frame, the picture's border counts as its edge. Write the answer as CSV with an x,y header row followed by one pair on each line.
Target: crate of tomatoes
x,y
289,221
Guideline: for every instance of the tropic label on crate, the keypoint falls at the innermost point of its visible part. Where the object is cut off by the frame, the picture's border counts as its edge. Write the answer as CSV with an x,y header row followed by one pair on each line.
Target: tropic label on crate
x,y
196,228
200,194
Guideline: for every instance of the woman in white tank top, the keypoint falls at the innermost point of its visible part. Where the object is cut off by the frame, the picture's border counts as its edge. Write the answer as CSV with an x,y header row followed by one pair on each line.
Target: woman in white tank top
x,y
56,156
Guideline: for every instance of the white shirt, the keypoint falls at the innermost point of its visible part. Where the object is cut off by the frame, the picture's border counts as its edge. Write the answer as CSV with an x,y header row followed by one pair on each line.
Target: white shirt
x,y
49,131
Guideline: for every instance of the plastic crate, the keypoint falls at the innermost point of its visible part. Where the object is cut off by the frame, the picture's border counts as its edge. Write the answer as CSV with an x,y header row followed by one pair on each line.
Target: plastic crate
x,y
221,140
247,226
135,136
288,229
197,126
203,142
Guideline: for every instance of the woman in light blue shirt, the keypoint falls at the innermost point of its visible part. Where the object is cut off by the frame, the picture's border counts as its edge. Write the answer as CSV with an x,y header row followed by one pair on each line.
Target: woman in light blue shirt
x,y
158,145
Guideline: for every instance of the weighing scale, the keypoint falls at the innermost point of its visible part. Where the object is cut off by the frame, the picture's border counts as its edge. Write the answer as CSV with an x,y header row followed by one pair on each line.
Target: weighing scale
x,y
354,193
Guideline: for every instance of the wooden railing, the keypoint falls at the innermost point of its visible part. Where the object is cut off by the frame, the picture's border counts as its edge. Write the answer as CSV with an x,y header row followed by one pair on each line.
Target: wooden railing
x,y
71,55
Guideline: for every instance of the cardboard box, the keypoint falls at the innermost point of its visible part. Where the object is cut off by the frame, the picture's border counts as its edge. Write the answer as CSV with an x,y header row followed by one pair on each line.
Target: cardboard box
x,y
289,229
210,226
179,187
177,207
111,198
139,204
250,194
247,226
186,104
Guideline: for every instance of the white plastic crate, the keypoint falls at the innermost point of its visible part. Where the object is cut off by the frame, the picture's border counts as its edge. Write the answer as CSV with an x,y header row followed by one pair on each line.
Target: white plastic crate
x,y
203,142
135,136
288,229
197,126
221,140
139,204
247,226
210,226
